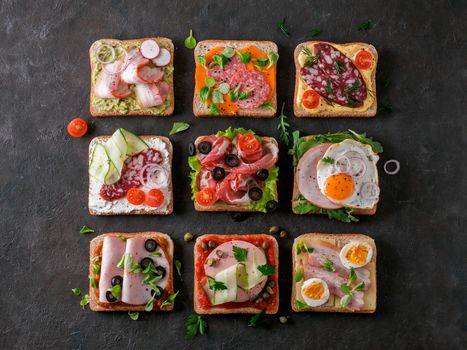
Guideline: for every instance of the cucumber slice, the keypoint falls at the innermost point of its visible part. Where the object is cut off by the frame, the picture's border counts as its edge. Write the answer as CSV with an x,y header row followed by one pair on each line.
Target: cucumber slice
x,y
101,167
119,141
229,278
134,143
116,149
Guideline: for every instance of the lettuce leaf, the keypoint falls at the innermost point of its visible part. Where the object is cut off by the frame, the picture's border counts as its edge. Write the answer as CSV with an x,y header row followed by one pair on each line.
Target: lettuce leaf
x,y
231,133
195,166
341,214
269,191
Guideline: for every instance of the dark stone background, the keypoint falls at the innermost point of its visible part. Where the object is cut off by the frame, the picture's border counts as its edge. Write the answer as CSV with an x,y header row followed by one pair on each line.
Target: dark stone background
x,y
420,224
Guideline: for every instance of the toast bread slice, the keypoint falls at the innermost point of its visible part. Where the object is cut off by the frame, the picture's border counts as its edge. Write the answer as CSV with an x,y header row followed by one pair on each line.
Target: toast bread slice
x,y
95,249
336,110
95,112
199,107
218,309
144,210
220,206
338,240
296,192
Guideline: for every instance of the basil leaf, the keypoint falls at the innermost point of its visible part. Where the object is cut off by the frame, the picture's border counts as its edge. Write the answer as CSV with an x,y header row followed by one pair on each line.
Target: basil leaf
x,y
243,95
149,305
345,289
190,42
262,61
122,237
213,109
133,315
223,88
268,105
202,60
169,300
352,275
96,268
233,94
93,282
157,254
314,32
240,254
217,97
179,127
328,265
244,57
84,300
116,291
76,291
345,300
178,266
85,230
266,270
204,93
228,52
256,318
210,82
300,305
298,275
359,287
219,60
273,58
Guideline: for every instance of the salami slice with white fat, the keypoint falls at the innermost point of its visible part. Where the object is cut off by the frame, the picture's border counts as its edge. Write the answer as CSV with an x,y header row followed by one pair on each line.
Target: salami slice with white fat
x,y
255,84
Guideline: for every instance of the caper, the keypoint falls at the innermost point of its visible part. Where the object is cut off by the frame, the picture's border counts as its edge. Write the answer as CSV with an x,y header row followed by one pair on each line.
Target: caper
x,y
188,236
283,319
283,234
271,284
269,290
274,230
265,245
212,244
219,253
265,295
258,300
204,246
210,262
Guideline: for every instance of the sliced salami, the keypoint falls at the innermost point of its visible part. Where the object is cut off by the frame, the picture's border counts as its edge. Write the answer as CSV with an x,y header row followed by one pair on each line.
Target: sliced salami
x,y
224,75
256,85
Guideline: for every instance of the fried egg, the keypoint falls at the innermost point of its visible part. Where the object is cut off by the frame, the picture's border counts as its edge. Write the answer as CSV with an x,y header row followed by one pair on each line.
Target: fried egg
x,y
356,254
315,292
347,175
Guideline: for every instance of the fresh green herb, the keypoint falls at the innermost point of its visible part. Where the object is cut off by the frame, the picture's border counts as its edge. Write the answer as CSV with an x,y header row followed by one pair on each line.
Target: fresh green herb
x,y
347,289
202,60
97,258
283,27
243,95
223,88
310,59
256,318
328,265
384,108
157,254
364,26
219,60
352,275
84,300
340,66
262,61
305,249
217,97
298,275
178,267
228,52
329,87
149,305
76,291
85,230
195,325
204,93
300,305
314,32
345,300
352,88
210,82
360,286
268,105
283,127
133,315
190,42
216,285
328,160
179,127
258,67
213,109
125,261
169,300
267,270
96,268
122,237
93,281
273,58
240,254
116,291
233,94
244,57
341,214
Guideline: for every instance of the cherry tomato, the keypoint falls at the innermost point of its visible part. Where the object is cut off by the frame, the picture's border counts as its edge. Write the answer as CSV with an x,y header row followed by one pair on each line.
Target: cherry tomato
x,y
248,143
310,99
135,196
206,197
77,127
363,60
154,198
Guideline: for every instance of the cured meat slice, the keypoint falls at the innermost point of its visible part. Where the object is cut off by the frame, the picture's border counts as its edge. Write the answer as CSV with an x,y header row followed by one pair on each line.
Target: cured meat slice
x,y
306,177
268,160
130,176
150,74
205,179
108,82
225,75
335,77
220,145
135,62
233,189
163,89
112,250
250,157
255,84
148,95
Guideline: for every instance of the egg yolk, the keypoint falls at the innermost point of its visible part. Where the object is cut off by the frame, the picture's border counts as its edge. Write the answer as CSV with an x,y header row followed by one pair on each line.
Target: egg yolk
x,y
314,290
339,186
357,254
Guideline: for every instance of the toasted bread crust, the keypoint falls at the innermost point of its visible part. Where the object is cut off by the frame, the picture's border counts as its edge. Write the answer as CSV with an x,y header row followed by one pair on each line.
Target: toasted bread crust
x,y
300,111
96,245
145,210
202,47
340,238
296,192
97,113
218,309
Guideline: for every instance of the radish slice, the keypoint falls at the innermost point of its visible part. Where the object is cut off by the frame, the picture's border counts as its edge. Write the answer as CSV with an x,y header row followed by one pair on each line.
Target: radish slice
x,y
163,59
149,49
369,190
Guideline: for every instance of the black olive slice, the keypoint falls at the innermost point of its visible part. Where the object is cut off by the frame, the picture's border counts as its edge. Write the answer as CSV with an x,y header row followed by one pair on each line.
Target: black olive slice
x,y
110,297
191,149
160,270
150,245
232,160
237,217
218,173
255,193
145,262
157,294
116,280
271,206
204,147
262,174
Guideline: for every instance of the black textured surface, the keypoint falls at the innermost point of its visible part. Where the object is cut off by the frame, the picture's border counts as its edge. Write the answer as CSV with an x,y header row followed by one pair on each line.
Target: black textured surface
x,y
419,227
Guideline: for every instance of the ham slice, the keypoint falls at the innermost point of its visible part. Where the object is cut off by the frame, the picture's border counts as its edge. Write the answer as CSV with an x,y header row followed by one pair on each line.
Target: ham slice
x,y
205,179
233,189
134,291
112,250
306,177
148,95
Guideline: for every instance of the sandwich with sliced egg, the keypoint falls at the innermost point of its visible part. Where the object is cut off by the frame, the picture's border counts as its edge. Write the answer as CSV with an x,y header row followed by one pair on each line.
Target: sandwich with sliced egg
x,y
334,273
335,174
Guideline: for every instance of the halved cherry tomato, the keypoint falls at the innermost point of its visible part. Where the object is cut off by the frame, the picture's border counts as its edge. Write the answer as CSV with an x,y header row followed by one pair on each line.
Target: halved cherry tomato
x,y
154,198
77,127
206,197
363,60
310,99
248,143
135,196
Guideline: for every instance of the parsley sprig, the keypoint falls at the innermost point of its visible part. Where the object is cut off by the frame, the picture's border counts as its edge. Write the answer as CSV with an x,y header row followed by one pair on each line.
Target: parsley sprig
x,y
195,325
256,318
266,270
283,127
240,254
216,285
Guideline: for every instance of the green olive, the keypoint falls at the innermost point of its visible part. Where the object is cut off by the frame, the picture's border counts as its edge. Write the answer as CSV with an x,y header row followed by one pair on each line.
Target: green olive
x,y
274,230
188,236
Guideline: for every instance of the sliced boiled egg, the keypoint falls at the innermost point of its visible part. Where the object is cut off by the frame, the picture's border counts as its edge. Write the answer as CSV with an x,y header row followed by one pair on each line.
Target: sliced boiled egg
x,y
356,254
315,292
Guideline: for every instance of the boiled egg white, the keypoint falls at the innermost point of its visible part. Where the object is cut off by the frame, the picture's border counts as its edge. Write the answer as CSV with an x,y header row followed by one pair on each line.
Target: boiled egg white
x,y
315,292
356,254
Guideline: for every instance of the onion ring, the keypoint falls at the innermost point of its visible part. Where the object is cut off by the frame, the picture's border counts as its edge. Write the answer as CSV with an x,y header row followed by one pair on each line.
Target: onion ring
x,y
361,171
122,67
151,170
395,171
108,47
338,164
369,190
